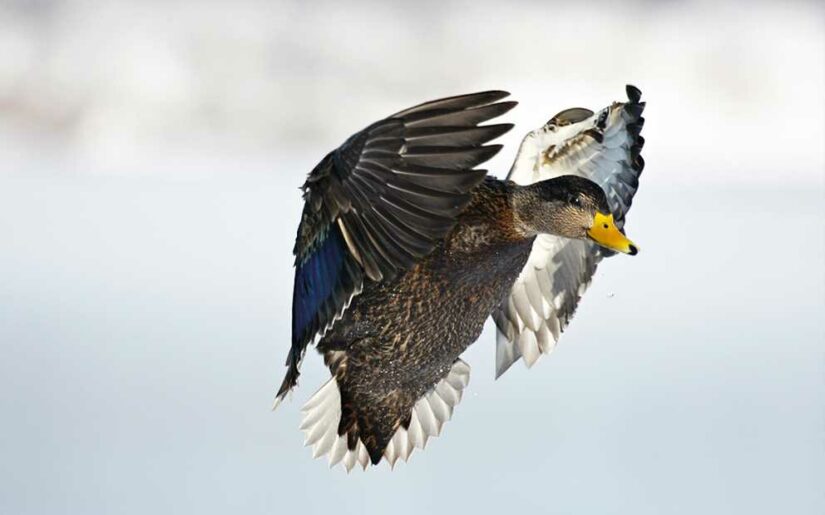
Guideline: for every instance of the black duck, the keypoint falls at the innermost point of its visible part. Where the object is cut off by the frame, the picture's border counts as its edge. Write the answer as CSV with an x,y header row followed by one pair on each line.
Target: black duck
x,y
404,249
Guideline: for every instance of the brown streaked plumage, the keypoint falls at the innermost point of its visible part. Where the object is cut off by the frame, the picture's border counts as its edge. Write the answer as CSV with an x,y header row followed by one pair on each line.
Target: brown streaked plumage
x,y
400,338
403,252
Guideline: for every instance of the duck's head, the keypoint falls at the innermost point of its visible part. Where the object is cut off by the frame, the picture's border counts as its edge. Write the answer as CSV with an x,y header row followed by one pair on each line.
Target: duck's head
x,y
572,207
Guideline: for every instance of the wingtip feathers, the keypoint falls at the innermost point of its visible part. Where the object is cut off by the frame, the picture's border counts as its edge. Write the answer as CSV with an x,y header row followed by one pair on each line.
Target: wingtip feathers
x,y
634,94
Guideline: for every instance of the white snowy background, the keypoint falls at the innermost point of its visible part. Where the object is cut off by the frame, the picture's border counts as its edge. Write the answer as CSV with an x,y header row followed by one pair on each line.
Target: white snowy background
x,y
150,155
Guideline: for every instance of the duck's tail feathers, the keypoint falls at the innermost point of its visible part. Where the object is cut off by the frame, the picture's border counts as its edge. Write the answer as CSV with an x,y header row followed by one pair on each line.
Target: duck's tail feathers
x,y
322,415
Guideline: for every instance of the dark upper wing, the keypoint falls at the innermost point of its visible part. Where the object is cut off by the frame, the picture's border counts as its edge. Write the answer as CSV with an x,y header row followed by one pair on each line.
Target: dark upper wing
x,y
381,201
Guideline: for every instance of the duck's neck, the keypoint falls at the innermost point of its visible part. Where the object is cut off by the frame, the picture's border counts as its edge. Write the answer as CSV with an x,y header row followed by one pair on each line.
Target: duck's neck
x,y
524,201
486,244
508,207
540,208
489,219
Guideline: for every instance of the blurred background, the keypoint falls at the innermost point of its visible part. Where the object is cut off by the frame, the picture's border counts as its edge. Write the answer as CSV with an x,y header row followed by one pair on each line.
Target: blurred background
x,y
150,155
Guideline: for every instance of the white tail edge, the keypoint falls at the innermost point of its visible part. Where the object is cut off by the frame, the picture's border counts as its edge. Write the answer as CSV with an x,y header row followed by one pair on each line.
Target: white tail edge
x,y
322,414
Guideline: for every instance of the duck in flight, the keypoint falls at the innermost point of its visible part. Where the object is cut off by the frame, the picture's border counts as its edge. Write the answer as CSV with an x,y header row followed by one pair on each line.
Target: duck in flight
x,y
405,248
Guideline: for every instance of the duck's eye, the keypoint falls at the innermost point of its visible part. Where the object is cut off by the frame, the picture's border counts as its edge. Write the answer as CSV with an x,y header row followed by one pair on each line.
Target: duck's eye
x,y
576,201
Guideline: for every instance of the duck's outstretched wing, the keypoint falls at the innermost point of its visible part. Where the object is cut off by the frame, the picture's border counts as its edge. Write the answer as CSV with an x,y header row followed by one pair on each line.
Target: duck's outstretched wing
x,y
603,147
381,201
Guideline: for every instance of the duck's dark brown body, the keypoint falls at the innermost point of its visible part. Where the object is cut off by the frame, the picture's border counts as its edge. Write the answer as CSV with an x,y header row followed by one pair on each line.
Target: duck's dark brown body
x,y
400,337
404,249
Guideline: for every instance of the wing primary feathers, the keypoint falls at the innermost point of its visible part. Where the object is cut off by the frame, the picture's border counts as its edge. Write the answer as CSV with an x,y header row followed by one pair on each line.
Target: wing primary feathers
x,y
454,136
635,109
463,118
450,158
633,93
459,102
639,164
450,181
605,147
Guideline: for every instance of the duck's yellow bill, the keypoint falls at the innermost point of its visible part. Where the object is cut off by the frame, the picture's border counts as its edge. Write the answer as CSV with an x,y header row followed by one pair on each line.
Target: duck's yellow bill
x,y
605,233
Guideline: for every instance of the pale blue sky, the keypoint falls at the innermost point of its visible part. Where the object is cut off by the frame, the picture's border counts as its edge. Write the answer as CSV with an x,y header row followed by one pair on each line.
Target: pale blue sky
x,y
148,209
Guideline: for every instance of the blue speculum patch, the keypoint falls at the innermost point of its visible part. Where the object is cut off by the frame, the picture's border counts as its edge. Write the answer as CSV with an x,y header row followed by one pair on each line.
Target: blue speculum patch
x,y
315,281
